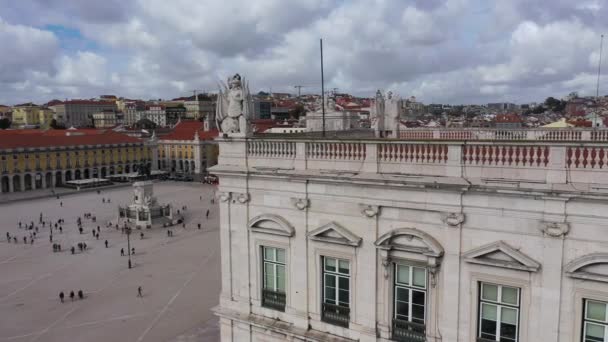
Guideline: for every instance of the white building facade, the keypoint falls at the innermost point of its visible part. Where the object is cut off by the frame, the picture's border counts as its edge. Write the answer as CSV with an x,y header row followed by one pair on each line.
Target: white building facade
x,y
417,240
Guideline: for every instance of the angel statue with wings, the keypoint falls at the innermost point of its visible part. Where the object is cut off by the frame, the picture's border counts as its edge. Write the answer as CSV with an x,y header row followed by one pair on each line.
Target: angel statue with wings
x,y
234,106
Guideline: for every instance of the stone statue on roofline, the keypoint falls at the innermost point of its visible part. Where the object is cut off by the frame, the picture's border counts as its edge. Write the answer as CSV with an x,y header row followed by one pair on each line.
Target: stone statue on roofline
x,y
385,114
234,107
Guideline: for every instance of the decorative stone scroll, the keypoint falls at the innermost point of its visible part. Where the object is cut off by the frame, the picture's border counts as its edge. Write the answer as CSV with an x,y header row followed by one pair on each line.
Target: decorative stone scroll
x,y
242,198
300,203
369,210
555,229
224,196
453,219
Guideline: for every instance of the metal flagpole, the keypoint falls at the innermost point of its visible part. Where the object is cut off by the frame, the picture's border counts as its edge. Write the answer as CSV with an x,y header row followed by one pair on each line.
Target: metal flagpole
x,y
597,87
322,87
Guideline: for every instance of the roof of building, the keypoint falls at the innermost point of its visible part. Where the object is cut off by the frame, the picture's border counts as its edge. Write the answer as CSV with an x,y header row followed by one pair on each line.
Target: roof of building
x,y
31,138
185,130
86,102
508,118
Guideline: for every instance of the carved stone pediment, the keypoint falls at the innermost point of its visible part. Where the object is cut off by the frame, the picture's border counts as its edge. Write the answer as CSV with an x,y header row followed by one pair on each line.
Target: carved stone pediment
x,y
300,203
332,232
453,219
555,229
589,267
369,210
410,240
500,254
271,224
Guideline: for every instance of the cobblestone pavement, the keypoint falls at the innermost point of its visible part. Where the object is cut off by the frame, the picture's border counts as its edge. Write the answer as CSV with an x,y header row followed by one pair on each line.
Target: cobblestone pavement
x,y
180,276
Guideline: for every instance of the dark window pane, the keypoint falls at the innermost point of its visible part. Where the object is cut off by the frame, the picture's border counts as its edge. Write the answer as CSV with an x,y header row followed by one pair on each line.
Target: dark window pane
x,y
488,327
418,297
402,309
402,295
330,280
508,330
330,293
343,296
418,312
343,283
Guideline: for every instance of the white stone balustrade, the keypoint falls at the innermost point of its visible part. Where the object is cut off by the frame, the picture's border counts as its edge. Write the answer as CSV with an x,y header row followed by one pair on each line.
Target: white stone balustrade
x,y
570,160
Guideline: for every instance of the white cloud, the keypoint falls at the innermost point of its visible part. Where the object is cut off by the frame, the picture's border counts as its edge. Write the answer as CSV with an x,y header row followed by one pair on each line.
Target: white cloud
x,y
439,50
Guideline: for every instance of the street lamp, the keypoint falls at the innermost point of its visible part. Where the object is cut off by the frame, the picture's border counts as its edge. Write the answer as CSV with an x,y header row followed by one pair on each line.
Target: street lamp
x,y
128,232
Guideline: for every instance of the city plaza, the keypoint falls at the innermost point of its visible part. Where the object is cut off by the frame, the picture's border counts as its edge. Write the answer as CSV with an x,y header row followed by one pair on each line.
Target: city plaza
x,y
179,275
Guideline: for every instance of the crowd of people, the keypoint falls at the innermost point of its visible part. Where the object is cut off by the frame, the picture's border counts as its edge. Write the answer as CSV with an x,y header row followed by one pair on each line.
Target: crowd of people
x,y
32,231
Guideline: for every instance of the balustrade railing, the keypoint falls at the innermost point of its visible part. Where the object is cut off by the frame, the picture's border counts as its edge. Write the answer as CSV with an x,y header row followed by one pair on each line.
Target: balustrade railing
x,y
538,161
273,299
271,149
335,314
523,134
404,331
336,150
414,153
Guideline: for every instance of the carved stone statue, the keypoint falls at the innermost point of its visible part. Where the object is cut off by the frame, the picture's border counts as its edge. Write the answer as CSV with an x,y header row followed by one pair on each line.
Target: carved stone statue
x,y
385,114
234,106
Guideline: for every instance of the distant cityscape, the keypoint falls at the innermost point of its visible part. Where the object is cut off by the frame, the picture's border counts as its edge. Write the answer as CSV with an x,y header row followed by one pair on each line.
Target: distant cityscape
x,y
278,112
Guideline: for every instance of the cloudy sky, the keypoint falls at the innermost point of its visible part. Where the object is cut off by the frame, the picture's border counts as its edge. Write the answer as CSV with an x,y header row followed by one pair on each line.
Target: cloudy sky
x,y
449,51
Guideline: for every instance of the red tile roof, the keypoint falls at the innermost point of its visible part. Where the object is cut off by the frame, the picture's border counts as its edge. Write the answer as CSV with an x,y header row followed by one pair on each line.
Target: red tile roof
x,y
185,131
87,102
35,138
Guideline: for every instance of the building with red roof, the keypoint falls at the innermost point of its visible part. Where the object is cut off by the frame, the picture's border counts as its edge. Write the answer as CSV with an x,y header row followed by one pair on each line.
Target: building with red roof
x,y
188,150
40,159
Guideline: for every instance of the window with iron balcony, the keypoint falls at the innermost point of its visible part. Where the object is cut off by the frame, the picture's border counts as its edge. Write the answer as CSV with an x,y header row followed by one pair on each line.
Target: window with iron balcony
x,y
335,307
409,303
273,277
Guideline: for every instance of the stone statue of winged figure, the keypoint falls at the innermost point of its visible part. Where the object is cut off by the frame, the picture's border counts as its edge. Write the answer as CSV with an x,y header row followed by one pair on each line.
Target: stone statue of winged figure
x,y
234,106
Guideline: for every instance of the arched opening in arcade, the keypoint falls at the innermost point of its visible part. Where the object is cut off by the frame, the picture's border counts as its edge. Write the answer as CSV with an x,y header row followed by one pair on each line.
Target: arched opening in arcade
x,y
77,175
58,181
28,182
68,175
16,183
5,184
87,174
48,178
103,172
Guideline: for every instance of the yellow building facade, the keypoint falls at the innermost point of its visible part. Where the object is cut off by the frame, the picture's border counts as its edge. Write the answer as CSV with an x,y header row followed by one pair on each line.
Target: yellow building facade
x,y
30,161
32,115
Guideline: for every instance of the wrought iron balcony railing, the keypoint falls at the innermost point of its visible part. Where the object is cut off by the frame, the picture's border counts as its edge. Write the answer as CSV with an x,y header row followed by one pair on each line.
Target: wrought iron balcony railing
x,y
404,331
273,299
335,314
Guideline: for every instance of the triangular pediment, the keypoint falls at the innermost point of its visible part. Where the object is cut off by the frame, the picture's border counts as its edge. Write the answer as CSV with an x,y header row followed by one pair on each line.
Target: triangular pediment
x,y
271,224
335,233
500,254
589,267
410,240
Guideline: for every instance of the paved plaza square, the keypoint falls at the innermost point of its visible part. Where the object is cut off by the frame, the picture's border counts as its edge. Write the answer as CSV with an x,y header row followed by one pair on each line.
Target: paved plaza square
x,y
179,275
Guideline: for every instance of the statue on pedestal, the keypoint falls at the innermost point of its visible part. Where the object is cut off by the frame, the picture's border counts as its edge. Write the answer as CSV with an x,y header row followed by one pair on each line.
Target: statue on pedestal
x,y
234,106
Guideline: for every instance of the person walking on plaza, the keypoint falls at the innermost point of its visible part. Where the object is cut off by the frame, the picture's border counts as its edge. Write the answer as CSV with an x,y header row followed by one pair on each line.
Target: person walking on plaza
x,y
72,295
141,235
122,252
106,243
139,290
207,214
61,296
80,294
8,236
199,226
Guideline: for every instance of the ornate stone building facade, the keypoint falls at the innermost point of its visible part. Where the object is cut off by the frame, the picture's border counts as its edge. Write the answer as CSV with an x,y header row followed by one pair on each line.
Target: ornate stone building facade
x,y
33,159
501,239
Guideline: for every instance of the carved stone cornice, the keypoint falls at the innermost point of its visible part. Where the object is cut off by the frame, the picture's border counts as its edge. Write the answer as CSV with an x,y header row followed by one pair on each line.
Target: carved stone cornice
x,y
369,210
453,219
555,229
300,203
